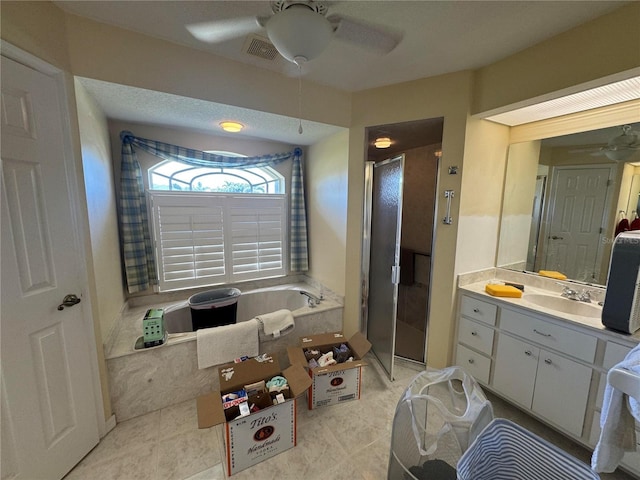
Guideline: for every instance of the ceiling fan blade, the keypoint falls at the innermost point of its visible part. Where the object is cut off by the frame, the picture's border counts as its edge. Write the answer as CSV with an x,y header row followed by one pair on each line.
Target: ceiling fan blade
x,y
378,38
585,150
218,31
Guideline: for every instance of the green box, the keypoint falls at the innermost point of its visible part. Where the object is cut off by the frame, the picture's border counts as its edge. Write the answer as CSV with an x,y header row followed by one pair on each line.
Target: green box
x,y
153,327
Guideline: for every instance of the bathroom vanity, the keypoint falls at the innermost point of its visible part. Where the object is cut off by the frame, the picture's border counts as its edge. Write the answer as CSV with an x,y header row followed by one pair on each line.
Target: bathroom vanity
x,y
543,353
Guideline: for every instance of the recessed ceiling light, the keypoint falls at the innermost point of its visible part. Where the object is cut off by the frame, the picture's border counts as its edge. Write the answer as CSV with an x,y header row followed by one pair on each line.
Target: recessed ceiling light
x,y
231,126
382,142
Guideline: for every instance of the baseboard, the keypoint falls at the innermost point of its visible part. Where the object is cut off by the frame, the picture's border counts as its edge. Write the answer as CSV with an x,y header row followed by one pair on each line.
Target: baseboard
x,y
110,424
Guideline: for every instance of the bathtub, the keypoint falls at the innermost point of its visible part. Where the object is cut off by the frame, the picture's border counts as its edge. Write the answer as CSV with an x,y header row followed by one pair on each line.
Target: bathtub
x,y
145,380
177,318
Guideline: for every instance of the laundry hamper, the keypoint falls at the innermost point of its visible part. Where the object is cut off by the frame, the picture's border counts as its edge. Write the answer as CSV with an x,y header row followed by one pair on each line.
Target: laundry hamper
x,y
437,417
505,450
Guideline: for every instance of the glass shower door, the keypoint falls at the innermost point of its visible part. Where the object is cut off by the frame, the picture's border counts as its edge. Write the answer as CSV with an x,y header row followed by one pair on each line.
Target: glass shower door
x,y
384,272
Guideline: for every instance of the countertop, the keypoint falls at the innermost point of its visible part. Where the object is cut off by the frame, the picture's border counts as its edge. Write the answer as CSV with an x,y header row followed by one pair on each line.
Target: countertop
x,y
522,303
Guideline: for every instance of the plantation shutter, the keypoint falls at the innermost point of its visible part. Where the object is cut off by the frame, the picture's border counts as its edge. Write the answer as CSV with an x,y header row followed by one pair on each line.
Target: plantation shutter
x,y
208,239
258,227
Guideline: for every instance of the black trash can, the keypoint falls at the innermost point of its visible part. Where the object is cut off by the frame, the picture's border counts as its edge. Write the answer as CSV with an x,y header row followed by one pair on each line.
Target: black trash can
x,y
214,308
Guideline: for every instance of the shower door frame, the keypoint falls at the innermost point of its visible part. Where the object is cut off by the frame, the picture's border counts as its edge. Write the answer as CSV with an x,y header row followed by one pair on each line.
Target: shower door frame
x,y
366,257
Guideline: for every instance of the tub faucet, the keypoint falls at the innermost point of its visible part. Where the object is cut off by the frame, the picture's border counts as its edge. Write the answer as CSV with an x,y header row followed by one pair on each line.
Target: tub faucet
x,y
312,300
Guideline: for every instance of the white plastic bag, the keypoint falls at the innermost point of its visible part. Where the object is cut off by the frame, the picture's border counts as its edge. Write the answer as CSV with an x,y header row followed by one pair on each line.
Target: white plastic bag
x,y
459,403
438,416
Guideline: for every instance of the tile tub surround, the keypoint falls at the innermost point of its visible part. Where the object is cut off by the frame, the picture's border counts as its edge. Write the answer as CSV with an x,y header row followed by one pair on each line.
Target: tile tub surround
x,y
349,441
142,381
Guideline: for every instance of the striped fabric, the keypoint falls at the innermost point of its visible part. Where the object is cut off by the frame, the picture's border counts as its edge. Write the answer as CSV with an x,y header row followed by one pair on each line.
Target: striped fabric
x,y
137,247
299,260
506,451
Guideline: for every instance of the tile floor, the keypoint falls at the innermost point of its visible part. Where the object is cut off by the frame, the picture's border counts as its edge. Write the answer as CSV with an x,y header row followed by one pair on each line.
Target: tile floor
x,y
349,441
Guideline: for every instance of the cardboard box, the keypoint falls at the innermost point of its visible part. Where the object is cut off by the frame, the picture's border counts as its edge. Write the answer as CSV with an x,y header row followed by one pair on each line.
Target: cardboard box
x,y
337,383
265,433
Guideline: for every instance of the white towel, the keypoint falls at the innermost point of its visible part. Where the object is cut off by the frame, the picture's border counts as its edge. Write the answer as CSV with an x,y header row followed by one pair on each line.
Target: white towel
x,y
218,345
616,420
277,323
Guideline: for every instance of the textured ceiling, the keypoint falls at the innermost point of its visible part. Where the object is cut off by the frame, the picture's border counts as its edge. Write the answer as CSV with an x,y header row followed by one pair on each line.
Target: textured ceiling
x,y
438,37
137,105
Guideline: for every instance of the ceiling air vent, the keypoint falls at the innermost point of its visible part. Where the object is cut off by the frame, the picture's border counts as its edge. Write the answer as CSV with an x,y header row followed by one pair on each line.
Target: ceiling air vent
x,y
260,47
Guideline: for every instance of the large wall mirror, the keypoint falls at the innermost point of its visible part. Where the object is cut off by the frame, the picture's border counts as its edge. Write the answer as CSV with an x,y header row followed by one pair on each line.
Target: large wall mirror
x,y
564,199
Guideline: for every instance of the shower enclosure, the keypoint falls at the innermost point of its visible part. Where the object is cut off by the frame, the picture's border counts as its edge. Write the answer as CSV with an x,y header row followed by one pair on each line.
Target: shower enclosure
x,y
398,234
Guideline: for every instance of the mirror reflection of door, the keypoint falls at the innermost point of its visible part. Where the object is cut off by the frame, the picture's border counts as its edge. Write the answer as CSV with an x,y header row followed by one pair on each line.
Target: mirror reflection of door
x,y
536,220
574,239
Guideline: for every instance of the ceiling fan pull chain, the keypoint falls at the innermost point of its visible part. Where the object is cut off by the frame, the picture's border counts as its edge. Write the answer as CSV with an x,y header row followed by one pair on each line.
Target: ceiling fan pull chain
x,y
299,97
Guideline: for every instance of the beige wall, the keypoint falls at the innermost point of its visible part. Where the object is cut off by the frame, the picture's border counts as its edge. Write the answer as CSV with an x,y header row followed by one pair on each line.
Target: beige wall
x,y
481,195
601,48
138,60
445,96
101,205
326,168
38,28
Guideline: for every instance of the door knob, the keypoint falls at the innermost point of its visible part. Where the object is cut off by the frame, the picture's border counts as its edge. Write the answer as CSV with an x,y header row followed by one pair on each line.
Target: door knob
x,y
69,301
555,237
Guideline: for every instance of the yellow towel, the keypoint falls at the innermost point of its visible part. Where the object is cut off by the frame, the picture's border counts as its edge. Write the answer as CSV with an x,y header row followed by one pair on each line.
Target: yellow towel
x,y
503,291
552,274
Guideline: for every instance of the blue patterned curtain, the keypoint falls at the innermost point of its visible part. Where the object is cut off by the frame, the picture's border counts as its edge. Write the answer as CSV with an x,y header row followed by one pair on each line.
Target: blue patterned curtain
x,y
136,239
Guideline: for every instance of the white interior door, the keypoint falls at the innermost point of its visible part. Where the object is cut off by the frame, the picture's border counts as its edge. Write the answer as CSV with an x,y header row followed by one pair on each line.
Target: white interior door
x,y
49,418
574,238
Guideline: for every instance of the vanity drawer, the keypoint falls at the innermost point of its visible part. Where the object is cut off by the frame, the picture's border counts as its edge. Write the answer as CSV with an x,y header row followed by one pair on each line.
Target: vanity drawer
x,y
475,364
478,310
476,335
565,340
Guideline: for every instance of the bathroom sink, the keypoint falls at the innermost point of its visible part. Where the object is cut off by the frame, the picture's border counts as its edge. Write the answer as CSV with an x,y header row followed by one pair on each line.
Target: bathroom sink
x,y
564,305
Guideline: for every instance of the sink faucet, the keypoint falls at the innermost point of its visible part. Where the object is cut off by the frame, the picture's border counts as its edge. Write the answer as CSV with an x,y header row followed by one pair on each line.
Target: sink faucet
x,y
585,296
312,300
569,293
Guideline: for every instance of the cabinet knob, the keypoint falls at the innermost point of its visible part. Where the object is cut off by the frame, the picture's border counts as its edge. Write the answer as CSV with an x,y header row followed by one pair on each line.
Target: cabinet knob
x,y
476,310
527,353
474,333
548,361
471,360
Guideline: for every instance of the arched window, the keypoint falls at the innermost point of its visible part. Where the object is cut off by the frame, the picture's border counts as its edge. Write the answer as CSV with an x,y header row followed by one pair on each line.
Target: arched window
x,y
176,176
207,234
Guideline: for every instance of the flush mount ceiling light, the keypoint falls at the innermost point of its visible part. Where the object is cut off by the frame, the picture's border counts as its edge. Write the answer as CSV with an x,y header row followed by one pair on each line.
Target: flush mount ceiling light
x,y
233,127
382,142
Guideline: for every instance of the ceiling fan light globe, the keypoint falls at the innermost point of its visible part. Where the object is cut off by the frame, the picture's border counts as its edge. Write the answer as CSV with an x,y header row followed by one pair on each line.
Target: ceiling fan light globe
x,y
299,32
618,155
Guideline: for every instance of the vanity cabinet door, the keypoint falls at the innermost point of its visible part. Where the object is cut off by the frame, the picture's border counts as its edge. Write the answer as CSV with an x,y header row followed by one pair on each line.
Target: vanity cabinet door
x,y
515,369
561,391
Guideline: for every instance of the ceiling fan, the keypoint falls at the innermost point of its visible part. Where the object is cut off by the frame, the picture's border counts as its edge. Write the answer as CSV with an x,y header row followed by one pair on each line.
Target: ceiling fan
x,y
300,30
619,148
